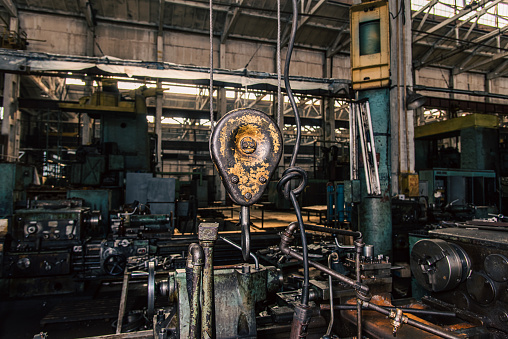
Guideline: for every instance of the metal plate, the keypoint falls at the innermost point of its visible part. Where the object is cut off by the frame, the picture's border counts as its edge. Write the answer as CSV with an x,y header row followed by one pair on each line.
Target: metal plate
x,y
481,288
496,266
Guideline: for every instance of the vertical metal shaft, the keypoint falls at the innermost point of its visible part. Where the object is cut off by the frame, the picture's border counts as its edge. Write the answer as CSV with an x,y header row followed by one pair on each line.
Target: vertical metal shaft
x,y
359,250
245,223
207,235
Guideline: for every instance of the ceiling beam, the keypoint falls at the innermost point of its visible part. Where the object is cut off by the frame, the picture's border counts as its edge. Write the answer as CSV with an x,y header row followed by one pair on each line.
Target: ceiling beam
x,y
86,8
199,4
499,71
337,49
485,62
428,5
467,45
231,19
461,13
480,13
10,6
306,17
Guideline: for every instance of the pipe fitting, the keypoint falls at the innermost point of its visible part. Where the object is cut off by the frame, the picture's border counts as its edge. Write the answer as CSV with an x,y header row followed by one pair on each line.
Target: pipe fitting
x,y
196,257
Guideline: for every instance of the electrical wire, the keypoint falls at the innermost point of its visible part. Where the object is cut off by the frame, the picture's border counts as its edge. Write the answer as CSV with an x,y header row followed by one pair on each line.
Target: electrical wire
x,y
294,172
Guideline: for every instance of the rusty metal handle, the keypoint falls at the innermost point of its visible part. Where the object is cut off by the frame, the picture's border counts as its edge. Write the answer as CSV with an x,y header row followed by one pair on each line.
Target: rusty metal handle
x,y
245,223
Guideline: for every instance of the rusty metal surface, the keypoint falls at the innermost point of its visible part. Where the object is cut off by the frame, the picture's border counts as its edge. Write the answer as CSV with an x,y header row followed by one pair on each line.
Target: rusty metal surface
x,y
208,231
246,147
236,292
195,260
481,237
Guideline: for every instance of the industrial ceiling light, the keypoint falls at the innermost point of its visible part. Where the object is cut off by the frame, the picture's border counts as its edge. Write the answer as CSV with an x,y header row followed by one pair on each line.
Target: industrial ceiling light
x,y
414,100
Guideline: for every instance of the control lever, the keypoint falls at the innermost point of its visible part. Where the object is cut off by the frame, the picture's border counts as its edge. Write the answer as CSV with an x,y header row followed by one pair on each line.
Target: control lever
x,y
246,147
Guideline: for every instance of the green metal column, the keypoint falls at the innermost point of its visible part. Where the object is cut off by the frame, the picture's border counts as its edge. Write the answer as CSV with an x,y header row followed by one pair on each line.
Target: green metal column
x,y
375,211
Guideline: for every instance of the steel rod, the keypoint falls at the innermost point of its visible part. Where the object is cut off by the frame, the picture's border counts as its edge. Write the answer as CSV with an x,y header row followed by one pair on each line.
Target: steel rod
x,y
414,323
123,301
359,249
326,307
232,243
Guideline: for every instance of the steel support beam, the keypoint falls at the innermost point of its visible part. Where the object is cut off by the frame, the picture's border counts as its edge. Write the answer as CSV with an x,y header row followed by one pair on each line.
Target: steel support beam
x,y
447,21
231,19
305,19
10,6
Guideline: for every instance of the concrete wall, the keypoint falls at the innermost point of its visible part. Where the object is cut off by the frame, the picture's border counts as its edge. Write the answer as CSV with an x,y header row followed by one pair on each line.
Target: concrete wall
x,y
126,42
54,34
68,35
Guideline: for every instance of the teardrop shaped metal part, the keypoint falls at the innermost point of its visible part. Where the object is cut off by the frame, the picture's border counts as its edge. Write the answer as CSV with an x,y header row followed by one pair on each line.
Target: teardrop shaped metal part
x,y
246,146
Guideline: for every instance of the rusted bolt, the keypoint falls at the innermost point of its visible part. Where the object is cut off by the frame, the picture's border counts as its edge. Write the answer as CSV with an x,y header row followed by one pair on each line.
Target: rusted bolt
x,y
234,179
248,145
248,196
262,180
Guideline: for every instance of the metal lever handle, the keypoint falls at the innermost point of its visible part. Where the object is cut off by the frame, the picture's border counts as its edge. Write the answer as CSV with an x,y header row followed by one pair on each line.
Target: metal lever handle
x,y
245,223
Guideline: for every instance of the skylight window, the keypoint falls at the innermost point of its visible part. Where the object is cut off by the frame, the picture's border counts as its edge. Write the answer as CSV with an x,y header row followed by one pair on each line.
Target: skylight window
x,y
496,16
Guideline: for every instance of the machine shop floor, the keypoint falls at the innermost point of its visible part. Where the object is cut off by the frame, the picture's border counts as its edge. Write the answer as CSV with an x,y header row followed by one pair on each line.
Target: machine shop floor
x,y
27,317
262,220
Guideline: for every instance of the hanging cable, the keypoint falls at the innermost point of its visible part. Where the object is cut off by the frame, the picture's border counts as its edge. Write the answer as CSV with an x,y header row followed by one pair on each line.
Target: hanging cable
x,y
279,84
294,172
211,67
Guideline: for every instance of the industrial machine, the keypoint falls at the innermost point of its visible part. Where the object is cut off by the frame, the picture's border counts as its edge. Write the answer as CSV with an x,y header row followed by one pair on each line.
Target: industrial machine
x,y
464,268
315,282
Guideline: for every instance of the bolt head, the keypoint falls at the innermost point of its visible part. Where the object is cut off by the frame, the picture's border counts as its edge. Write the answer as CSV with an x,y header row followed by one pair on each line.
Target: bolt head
x,y
248,145
262,180
235,179
248,196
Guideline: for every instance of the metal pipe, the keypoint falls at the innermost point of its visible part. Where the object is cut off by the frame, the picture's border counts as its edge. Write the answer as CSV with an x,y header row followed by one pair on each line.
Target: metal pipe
x,y
195,262
207,235
342,247
354,234
359,249
232,243
287,237
332,256
412,322
326,307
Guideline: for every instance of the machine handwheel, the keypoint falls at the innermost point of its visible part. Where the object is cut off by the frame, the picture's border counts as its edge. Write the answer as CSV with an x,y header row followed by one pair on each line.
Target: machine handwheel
x,y
115,264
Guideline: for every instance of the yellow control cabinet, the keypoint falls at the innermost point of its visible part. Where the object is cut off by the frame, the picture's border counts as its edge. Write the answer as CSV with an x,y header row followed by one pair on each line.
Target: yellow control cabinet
x,y
370,45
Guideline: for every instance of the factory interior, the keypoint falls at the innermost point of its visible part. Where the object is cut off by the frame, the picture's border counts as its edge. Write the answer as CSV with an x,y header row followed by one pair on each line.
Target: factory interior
x,y
253,169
